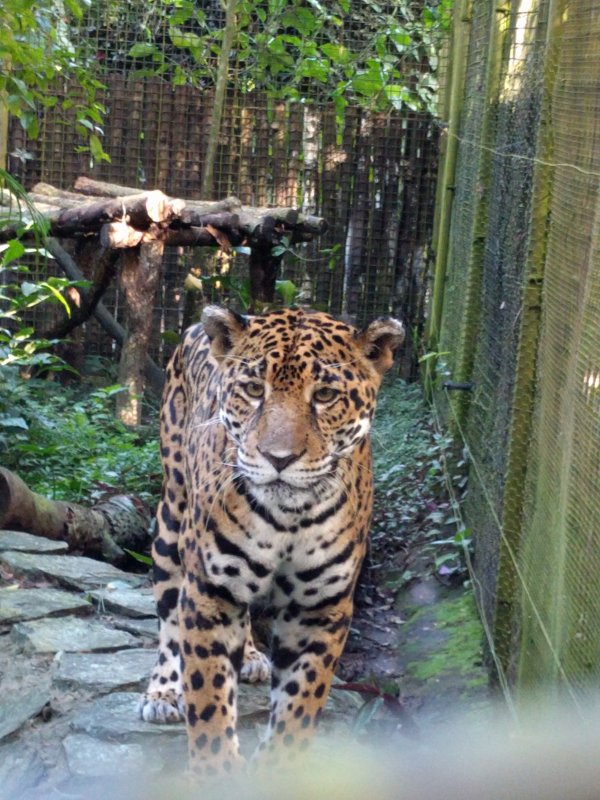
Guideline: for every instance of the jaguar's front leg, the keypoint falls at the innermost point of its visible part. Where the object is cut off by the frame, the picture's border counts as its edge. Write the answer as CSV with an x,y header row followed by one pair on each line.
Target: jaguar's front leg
x,y
307,645
212,633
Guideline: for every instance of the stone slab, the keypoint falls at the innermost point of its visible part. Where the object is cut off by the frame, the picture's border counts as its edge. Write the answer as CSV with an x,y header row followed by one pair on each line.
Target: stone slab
x,y
114,718
28,543
19,605
131,602
16,709
20,769
92,758
126,670
148,628
70,634
77,572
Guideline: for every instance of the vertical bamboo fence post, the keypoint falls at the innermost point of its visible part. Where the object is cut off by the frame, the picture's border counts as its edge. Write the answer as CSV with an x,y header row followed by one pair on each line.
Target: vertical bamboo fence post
x,y
443,215
466,347
4,121
526,368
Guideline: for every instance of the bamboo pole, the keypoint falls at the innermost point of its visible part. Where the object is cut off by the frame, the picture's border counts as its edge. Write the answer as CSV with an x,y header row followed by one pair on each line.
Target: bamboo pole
x,y
526,368
469,332
458,51
220,90
4,121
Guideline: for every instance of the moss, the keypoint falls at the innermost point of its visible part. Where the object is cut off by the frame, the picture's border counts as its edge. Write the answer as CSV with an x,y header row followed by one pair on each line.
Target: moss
x,y
456,639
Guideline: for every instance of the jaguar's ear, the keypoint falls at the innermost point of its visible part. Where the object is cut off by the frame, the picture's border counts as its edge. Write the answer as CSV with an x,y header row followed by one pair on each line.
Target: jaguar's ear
x,y
222,327
380,339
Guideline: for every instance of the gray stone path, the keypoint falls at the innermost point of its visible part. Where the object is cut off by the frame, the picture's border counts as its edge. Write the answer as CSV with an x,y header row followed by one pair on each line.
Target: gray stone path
x,y
77,643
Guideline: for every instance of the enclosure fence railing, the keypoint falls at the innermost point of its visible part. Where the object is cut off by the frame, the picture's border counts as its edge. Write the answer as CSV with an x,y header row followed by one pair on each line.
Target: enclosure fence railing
x,y
515,326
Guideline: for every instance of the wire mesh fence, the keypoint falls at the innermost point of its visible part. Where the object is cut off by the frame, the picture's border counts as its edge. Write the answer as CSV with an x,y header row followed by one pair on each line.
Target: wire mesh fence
x,y
520,326
284,139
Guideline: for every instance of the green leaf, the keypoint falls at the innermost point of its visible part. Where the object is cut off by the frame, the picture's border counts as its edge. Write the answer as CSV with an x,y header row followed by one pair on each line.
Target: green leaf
x,y
23,334
14,422
139,557
170,337
27,289
301,19
288,291
337,53
401,39
142,49
185,38
96,148
57,295
314,68
13,250
368,82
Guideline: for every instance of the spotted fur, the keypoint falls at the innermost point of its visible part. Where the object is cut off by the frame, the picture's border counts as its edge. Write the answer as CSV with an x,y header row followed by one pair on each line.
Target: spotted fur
x,y
267,493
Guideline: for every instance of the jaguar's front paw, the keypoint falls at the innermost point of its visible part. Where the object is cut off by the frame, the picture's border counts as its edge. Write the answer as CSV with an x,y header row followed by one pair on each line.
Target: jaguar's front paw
x,y
161,707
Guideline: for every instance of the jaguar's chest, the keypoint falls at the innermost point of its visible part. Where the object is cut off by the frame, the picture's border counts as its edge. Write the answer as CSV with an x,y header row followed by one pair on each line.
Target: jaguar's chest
x,y
257,549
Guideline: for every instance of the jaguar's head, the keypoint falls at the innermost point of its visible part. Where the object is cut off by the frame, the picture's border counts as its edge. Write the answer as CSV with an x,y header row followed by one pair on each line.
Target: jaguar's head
x,y
297,390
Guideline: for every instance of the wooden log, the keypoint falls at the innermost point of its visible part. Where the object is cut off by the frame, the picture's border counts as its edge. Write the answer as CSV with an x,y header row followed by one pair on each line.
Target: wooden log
x,y
120,235
140,274
103,531
139,210
88,186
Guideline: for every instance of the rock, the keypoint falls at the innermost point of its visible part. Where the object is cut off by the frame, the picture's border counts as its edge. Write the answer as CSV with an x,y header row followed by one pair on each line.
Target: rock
x,y
253,703
71,634
128,601
114,717
92,758
148,628
76,572
20,769
16,709
126,670
17,605
28,543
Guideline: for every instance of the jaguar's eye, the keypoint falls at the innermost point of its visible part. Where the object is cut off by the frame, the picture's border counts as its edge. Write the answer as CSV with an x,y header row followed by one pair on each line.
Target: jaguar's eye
x,y
324,394
254,389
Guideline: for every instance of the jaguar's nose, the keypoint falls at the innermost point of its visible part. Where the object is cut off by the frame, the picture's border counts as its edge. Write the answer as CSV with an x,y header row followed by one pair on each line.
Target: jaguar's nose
x,y
280,460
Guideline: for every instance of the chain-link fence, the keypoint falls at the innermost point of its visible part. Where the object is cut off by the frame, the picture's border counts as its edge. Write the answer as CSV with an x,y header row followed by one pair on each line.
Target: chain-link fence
x,y
518,365
369,168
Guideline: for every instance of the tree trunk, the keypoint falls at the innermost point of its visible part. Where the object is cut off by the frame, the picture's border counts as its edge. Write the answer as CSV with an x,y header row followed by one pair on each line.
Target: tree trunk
x,y
102,531
140,276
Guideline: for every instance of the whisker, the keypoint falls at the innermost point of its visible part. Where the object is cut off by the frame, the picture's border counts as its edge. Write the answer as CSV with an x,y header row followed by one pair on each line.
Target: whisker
x,y
211,421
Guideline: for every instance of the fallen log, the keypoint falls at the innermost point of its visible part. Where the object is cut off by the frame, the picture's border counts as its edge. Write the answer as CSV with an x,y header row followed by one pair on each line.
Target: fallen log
x,y
104,531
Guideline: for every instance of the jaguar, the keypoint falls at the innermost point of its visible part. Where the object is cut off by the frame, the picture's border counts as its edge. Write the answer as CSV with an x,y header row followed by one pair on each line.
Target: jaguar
x,y
267,496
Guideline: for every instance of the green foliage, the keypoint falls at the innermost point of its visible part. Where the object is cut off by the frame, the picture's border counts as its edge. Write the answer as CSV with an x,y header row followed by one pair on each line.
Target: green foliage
x,y
36,52
418,479
19,344
378,55
68,445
